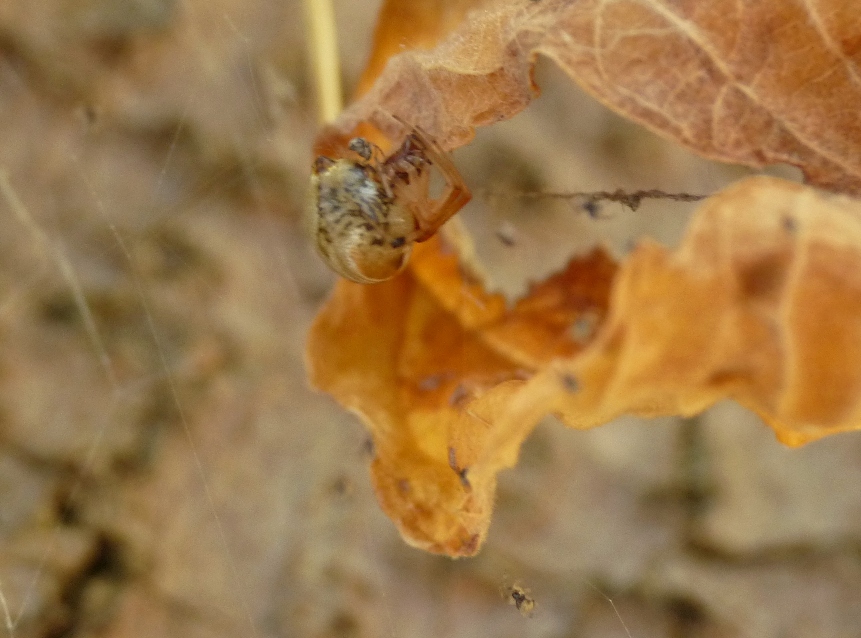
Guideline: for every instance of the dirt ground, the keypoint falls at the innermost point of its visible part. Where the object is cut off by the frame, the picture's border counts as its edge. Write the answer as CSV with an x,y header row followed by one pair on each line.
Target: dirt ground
x,y
165,469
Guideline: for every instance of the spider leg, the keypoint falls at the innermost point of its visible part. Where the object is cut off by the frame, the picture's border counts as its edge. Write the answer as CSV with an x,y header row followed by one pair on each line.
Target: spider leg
x,y
443,210
456,194
387,186
417,154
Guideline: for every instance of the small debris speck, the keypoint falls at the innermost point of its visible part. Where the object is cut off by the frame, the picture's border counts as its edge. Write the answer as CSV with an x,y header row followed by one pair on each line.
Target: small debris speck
x,y
521,598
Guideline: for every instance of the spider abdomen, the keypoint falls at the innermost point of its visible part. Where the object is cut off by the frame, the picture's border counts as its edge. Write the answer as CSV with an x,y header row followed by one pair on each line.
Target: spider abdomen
x,y
364,214
358,229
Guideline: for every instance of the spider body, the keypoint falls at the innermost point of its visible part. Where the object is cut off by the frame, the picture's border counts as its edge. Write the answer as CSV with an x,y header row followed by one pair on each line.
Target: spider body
x,y
365,213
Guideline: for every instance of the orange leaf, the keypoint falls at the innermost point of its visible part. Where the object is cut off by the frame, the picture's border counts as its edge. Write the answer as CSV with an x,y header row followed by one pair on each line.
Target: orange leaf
x,y
760,303
427,360
747,82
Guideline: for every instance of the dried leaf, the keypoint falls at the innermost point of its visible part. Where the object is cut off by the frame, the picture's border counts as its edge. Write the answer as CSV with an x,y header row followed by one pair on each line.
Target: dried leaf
x,y
760,303
427,361
407,26
749,82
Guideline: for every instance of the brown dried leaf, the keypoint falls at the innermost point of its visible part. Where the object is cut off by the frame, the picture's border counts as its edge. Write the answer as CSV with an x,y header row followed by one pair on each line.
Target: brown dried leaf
x,y
760,303
748,82
407,26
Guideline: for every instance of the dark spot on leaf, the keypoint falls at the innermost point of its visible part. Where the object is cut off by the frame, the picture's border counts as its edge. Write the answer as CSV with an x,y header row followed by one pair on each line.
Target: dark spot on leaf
x,y
584,326
458,395
431,383
461,472
570,383
764,277
470,545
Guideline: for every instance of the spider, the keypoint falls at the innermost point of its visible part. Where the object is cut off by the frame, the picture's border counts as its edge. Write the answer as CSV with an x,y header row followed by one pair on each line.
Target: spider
x,y
365,213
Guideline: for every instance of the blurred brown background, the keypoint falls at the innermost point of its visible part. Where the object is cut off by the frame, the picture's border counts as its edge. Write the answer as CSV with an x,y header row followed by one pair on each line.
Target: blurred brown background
x,y
164,469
